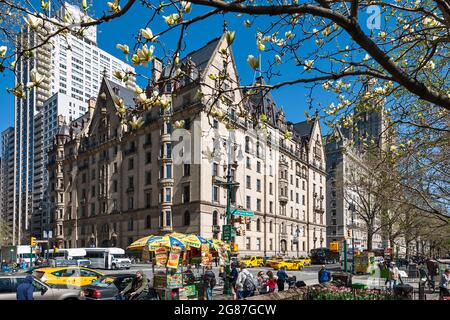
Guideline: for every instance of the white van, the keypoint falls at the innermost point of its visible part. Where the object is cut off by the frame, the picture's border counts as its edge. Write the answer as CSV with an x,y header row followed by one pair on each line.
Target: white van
x,y
108,258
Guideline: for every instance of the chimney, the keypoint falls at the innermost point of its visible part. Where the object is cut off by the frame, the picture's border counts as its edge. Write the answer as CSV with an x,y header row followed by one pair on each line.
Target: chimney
x,y
156,70
91,106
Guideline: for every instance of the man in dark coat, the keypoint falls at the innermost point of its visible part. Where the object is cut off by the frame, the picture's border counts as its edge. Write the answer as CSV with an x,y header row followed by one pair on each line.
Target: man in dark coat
x,y
138,288
25,289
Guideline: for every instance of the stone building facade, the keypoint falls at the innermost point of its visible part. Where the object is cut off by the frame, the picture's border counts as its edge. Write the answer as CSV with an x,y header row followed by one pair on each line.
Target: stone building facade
x,y
110,186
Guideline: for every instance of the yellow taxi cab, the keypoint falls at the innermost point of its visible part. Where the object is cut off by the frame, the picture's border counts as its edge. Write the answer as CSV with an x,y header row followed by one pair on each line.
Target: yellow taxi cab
x,y
75,276
272,261
305,260
289,264
252,261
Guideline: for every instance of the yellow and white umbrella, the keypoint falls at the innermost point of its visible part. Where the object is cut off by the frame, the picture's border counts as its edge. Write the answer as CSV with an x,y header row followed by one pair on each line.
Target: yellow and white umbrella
x,y
139,244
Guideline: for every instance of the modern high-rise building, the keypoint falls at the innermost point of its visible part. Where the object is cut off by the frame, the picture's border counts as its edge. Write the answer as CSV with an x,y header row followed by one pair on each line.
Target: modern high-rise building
x,y
7,180
72,65
110,186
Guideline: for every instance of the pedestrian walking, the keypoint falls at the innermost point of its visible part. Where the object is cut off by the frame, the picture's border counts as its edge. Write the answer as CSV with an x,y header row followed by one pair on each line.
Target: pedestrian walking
x,y
209,282
394,275
25,289
433,270
245,283
138,288
281,278
232,278
324,275
444,284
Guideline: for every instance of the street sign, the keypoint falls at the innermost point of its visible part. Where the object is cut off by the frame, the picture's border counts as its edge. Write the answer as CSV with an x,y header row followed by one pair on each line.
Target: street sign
x,y
243,213
228,232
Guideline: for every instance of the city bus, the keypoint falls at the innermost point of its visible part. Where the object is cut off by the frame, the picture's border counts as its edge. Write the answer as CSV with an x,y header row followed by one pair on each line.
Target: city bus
x,y
324,256
107,258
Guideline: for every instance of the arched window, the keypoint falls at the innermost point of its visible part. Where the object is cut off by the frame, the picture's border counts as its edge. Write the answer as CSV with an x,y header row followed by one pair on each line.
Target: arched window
x,y
258,224
187,218
105,228
130,224
215,220
148,222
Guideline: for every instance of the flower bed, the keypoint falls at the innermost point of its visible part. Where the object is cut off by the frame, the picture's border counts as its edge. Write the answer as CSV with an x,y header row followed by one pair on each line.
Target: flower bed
x,y
332,292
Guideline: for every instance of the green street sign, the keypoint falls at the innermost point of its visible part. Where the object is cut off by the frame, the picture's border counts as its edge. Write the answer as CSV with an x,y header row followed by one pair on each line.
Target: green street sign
x,y
242,213
228,232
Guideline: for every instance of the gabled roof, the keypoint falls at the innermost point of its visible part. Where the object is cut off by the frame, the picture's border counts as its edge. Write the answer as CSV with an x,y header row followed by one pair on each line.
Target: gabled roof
x,y
304,128
264,103
125,93
199,58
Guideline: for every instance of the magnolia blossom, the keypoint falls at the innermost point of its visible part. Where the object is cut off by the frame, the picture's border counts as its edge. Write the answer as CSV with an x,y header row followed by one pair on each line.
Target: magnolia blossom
x,y
136,122
145,54
36,79
114,6
430,65
277,59
119,74
382,35
186,6
124,48
393,148
84,5
366,57
289,34
253,62
32,21
45,5
148,34
172,19
18,91
319,42
3,50
247,23
260,45
326,85
230,37
179,124
308,64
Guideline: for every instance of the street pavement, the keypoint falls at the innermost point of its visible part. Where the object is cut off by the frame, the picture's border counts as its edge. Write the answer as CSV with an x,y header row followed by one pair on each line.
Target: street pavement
x,y
309,275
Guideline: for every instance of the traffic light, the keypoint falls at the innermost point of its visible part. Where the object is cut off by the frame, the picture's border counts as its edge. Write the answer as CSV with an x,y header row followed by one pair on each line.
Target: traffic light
x,y
349,233
55,249
33,241
242,220
243,232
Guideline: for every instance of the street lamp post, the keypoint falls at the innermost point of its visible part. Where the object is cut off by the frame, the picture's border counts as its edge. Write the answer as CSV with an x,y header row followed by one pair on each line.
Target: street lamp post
x,y
352,209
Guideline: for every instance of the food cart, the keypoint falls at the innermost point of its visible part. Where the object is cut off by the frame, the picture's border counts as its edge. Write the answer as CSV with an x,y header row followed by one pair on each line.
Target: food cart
x,y
176,253
365,263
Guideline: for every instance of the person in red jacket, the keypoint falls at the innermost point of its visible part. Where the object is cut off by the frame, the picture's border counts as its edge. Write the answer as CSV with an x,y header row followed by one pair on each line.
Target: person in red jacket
x,y
271,283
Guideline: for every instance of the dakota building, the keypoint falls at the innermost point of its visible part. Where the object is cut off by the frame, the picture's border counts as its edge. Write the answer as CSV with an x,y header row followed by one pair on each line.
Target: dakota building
x,y
110,186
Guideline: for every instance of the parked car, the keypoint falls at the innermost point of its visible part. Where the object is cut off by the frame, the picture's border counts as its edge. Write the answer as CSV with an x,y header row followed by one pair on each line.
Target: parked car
x,y
305,260
289,264
42,291
272,261
107,287
69,276
253,261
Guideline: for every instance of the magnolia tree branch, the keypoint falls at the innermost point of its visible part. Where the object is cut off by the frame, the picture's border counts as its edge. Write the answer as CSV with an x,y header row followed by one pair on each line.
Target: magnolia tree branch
x,y
354,31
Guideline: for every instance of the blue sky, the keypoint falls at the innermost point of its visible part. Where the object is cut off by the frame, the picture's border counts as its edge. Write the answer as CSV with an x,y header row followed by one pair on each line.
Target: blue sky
x,y
125,29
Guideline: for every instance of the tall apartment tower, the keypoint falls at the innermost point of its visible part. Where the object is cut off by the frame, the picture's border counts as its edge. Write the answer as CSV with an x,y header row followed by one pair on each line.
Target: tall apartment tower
x,y
72,66
7,179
